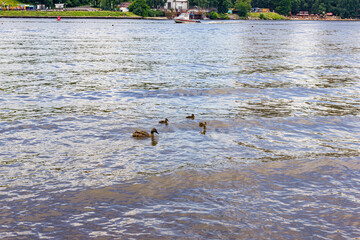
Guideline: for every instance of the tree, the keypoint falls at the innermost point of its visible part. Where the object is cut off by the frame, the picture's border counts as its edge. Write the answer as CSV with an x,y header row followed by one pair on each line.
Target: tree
x,y
264,4
349,8
242,7
139,7
156,3
295,6
322,8
223,6
283,7
343,8
106,4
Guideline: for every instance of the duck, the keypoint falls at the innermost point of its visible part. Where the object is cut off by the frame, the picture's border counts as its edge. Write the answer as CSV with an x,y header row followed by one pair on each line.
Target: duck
x,y
192,116
143,134
202,124
164,121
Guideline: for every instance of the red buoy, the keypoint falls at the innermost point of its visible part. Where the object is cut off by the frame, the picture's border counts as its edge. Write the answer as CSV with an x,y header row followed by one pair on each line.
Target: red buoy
x,y
58,18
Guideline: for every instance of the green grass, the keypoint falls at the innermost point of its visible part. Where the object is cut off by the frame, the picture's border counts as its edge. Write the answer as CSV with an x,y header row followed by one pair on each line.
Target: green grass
x,y
12,3
66,14
268,15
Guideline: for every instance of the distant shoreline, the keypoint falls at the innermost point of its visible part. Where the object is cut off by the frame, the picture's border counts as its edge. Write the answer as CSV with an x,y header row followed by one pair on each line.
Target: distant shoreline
x,y
79,17
76,15
164,18
68,14
115,15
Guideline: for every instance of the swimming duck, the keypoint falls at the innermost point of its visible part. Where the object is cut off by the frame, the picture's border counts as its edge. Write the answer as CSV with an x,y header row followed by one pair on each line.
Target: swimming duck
x,y
202,124
143,134
204,131
192,116
164,121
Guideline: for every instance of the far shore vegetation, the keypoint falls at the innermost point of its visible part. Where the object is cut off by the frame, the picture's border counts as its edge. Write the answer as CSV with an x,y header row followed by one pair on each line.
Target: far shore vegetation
x,y
116,14
13,3
102,14
215,9
266,16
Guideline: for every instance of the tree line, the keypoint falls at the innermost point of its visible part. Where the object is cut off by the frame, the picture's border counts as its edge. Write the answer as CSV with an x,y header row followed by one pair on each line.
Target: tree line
x,y
342,8
68,3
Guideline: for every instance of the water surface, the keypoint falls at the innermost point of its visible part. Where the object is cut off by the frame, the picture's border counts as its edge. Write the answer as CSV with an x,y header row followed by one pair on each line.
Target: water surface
x,y
279,158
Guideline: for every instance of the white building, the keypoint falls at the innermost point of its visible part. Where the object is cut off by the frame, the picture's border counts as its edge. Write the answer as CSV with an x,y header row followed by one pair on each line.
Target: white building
x,y
177,5
124,6
40,7
59,6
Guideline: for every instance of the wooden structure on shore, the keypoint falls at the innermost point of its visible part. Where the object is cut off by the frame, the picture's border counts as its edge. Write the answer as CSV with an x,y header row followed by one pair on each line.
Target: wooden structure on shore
x,y
304,15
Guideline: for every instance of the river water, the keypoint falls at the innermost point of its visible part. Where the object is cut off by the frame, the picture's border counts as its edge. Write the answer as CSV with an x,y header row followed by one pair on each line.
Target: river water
x,y
279,158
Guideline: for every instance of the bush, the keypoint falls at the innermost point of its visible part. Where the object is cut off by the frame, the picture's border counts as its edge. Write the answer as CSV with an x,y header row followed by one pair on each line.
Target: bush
x,y
214,15
156,13
267,16
224,16
263,16
170,14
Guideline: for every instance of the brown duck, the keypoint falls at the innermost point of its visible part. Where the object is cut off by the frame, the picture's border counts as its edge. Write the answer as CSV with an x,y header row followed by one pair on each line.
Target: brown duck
x,y
164,121
143,134
192,116
202,124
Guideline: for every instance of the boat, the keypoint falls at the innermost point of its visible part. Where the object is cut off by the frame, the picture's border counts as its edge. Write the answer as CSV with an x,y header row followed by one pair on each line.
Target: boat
x,y
185,18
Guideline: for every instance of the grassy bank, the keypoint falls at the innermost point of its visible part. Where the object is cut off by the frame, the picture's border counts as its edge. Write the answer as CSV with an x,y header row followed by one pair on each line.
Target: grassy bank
x,y
112,14
266,16
12,3
102,14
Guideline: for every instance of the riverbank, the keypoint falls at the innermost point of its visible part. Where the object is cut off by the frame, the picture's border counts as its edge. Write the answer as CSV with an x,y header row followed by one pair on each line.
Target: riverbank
x,y
115,14
75,14
130,15
266,16
68,14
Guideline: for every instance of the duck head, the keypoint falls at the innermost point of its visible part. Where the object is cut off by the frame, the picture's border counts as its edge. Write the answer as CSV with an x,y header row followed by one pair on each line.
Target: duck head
x,y
154,131
202,124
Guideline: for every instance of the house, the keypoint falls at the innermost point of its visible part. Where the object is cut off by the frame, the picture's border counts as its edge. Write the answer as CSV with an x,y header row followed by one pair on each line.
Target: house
x,y
261,10
40,7
123,7
59,6
303,15
178,5
314,17
330,16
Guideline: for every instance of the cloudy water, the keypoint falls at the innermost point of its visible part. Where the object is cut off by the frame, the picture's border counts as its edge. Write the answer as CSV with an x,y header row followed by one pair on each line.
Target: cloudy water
x,y
278,159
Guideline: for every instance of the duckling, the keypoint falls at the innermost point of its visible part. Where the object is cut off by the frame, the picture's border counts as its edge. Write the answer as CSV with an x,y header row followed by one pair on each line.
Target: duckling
x,y
164,121
143,134
202,124
192,116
